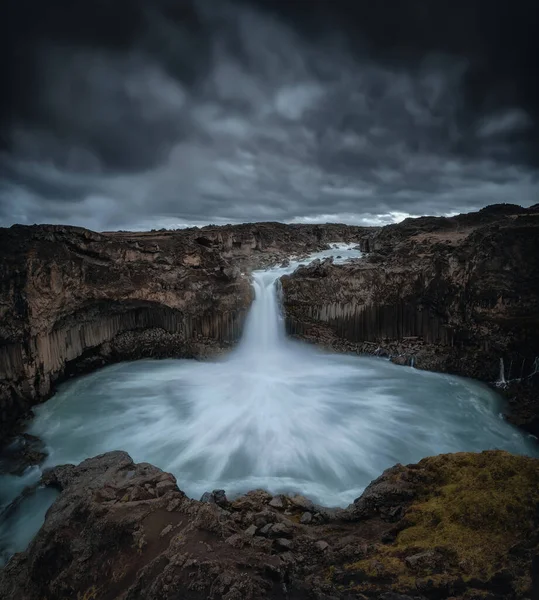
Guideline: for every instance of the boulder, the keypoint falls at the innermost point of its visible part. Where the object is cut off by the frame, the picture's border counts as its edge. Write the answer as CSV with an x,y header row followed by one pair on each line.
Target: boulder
x,y
321,545
281,530
284,544
277,502
306,518
216,497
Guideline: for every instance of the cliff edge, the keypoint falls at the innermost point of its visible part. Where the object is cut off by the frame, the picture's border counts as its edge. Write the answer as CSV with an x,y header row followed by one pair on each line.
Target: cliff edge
x,y
457,295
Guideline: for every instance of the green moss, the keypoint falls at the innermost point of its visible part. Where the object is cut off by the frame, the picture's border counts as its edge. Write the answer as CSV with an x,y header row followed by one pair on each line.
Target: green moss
x,y
475,507
385,564
89,594
329,573
471,509
295,517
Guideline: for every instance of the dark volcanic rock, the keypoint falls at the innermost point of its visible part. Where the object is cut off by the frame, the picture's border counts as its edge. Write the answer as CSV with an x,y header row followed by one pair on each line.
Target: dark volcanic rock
x,y
215,497
21,452
386,495
457,295
467,528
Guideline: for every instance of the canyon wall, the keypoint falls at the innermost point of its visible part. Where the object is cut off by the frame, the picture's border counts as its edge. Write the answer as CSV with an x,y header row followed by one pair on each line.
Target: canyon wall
x,y
72,300
457,295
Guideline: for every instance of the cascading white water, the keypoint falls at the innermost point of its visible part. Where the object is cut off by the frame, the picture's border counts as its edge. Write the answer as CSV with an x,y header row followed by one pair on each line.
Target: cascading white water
x,y
274,414
501,378
262,328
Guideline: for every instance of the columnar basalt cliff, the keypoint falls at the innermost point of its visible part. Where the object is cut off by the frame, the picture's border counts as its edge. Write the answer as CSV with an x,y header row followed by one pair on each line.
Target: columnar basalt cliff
x,y
452,527
72,300
459,295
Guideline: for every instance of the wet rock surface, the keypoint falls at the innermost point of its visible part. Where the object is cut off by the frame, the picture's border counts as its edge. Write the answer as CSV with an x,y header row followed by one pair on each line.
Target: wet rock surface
x,y
459,526
457,295
72,300
20,452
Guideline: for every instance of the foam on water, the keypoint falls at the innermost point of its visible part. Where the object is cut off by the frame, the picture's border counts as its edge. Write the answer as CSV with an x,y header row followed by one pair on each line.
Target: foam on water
x,y
274,414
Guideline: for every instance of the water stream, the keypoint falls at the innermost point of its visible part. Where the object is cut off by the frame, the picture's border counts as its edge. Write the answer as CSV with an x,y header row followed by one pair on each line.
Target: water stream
x,y
274,414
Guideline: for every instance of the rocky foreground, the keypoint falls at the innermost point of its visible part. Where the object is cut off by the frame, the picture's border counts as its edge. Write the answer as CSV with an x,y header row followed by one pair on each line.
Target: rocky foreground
x,y
457,295
459,527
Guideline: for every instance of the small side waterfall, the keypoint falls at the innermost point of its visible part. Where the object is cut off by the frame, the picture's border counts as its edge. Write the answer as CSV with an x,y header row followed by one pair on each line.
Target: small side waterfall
x,y
501,378
504,381
535,367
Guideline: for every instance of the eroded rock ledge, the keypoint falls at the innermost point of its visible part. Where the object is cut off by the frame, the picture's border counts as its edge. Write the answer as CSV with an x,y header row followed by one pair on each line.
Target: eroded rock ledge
x,y
460,527
457,295
72,300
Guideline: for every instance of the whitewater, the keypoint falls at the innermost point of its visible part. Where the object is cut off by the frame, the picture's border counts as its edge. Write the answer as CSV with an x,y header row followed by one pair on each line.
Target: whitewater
x,y
274,414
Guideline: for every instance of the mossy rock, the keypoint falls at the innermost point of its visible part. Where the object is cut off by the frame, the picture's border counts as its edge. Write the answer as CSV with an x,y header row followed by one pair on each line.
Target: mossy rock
x,y
473,524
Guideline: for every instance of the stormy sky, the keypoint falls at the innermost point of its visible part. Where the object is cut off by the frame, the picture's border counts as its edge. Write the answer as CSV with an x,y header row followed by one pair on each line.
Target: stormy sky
x,y
140,114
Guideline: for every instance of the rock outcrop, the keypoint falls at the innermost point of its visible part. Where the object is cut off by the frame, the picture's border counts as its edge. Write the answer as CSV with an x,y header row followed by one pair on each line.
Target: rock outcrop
x,y
72,300
459,527
459,295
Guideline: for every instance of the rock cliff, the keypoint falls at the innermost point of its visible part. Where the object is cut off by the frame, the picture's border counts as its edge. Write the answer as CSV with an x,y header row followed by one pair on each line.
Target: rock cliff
x,y
459,295
459,527
72,300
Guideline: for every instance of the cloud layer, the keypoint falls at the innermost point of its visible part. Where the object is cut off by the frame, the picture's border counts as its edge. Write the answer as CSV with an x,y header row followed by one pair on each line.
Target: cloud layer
x,y
232,112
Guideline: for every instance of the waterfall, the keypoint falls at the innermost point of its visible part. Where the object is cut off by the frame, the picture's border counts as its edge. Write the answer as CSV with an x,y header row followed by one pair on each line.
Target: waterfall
x,y
264,327
501,378
264,334
503,382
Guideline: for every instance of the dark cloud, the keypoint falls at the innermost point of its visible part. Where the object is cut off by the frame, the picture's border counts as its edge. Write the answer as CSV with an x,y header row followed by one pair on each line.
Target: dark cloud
x,y
147,114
